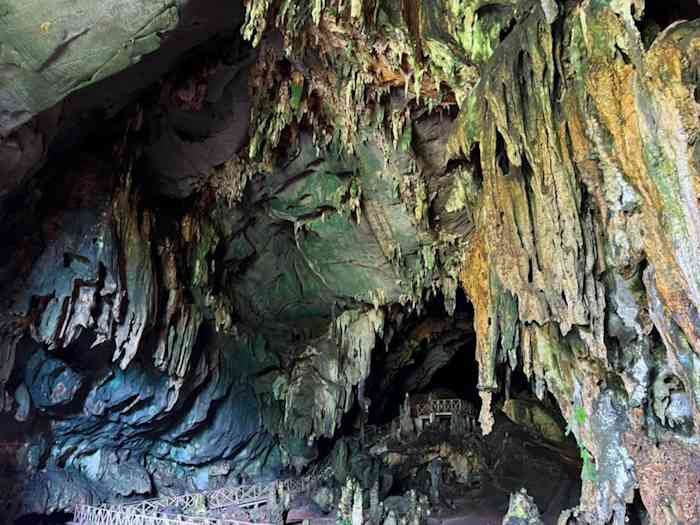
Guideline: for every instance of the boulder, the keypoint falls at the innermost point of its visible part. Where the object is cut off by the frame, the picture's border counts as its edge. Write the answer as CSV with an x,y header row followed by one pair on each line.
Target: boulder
x,y
522,510
535,417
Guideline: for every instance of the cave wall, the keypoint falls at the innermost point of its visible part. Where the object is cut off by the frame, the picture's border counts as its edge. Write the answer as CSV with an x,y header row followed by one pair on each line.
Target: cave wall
x,y
590,222
194,294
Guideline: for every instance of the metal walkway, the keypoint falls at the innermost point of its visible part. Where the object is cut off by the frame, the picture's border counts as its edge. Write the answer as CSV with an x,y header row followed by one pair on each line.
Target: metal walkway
x,y
187,508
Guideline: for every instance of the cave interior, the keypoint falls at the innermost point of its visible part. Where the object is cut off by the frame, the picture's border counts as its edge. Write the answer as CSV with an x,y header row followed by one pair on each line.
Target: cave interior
x,y
375,262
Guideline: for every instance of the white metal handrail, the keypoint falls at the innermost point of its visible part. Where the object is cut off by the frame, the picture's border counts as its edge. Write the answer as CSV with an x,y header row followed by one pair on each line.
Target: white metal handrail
x,y
158,511
440,406
89,514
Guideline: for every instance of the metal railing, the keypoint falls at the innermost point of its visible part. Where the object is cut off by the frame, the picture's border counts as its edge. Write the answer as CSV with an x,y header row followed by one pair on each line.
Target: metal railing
x,y
177,510
92,515
439,406
452,406
242,496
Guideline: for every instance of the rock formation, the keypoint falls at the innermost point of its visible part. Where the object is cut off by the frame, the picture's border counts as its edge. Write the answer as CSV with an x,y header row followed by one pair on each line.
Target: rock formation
x,y
233,229
522,510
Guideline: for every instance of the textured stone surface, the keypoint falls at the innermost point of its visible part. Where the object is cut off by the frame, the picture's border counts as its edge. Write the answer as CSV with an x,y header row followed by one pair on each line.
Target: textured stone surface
x,y
52,49
535,417
522,510
242,259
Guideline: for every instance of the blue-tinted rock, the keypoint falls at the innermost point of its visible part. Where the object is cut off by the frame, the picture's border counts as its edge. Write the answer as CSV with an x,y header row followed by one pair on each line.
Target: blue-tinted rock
x,y
51,382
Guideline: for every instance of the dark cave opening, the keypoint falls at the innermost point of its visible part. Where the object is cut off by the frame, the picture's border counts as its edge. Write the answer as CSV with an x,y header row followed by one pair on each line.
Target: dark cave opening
x,y
12,479
433,357
636,511
669,11
455,371
434,350
659,15
55,518
459,375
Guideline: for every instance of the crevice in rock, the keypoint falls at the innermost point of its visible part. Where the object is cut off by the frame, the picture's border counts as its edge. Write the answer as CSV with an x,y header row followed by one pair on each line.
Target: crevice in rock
x,y
659,15
497,12
636,511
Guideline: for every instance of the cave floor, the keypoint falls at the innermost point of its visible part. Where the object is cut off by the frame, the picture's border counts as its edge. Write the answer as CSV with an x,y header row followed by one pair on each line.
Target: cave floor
x,y
488,504
513,458
550,472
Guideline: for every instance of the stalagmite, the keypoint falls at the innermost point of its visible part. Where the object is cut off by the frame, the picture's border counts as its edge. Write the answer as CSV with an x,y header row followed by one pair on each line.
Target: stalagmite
x,y
357,508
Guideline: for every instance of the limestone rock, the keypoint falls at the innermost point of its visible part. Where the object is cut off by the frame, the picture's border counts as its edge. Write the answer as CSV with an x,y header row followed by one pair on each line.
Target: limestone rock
x,y
51,382
522,510
52,50
534,416
323,497
226,256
